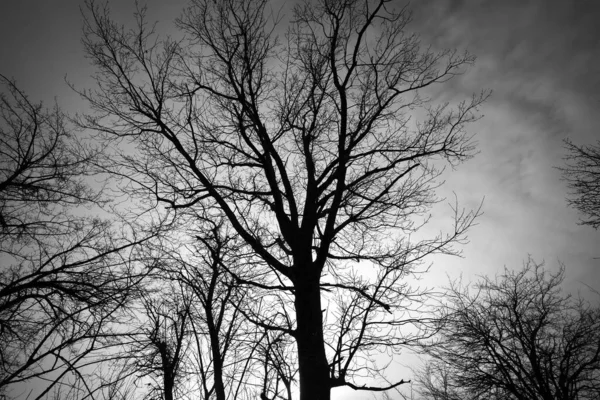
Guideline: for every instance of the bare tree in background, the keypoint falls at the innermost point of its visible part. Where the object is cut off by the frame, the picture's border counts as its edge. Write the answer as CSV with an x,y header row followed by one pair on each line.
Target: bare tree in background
x,y
43,169
161,353
517,337
224,343
63,276
582,174
435,382
188,335
316,146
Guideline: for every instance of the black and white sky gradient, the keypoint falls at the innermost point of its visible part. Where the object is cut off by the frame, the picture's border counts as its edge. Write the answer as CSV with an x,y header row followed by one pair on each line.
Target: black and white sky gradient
x,y
541,59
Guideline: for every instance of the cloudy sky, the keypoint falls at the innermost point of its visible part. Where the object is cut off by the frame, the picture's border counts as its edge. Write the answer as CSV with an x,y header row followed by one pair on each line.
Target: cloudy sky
x,y
542,61
540,58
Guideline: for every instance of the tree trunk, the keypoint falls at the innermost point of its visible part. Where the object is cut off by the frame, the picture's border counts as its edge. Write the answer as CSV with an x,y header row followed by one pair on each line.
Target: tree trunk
x,y
213,333
168,383
167,370
312,362
217,357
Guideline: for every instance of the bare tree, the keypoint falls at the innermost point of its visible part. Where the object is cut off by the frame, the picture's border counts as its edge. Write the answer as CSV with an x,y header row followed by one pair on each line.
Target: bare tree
x,y
435,382
43,168
161,353
305,145
519,337
63,276
582,174
190,336
223,355
279,368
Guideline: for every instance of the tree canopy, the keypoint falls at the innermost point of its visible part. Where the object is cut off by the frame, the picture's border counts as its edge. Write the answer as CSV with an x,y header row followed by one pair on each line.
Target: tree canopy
x,y
306,145
516,336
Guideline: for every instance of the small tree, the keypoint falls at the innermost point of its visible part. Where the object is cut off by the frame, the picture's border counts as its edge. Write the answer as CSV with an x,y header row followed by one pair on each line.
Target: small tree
x,y
435,382
582,174
305,145
517,337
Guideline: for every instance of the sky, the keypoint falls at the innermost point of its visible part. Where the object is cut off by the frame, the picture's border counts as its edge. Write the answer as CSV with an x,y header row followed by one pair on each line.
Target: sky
x,y
540,58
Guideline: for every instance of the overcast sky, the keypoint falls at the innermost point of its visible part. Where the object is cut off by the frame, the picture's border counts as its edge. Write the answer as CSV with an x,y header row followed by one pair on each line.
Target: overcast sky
x,y
542,61
540,58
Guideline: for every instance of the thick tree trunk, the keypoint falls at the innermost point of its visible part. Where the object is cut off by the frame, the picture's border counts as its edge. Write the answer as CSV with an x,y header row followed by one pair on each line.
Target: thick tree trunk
x,y
168,383
167,370
217,359
312,362
213,333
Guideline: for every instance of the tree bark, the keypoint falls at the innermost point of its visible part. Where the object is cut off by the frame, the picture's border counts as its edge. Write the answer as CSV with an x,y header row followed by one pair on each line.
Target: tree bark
x,y
312,361
168,372
216,355
168,387
214,332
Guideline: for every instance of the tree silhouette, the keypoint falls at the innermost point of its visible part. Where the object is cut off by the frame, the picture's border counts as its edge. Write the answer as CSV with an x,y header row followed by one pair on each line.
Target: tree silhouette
x,y
161,352
305,145
582,174
64,275
187,332
517,337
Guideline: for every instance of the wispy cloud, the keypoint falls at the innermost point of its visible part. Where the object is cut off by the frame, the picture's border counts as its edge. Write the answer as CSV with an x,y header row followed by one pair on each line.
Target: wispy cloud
x,y
540,59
